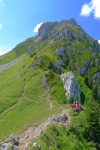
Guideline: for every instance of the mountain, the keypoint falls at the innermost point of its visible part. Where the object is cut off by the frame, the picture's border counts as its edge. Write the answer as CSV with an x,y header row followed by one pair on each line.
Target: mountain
x,y
31,89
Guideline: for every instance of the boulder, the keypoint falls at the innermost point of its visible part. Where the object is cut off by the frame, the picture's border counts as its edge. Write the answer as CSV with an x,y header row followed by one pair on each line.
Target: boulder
x,y
60,119
36,146
10,144
6,146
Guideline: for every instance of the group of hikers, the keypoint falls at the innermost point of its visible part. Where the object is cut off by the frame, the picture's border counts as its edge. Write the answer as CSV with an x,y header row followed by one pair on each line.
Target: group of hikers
x,y
76,105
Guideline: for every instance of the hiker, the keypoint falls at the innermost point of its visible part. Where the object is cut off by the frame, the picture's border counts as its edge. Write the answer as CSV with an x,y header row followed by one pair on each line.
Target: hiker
x,y
79,105
76,104
73,105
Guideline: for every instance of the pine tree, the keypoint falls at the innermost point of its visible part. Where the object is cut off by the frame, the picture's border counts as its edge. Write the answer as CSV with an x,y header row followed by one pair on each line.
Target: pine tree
x,y
93,129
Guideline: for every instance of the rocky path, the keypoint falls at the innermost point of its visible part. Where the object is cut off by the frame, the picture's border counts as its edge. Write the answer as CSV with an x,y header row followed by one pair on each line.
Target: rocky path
x,y
22,141
34,132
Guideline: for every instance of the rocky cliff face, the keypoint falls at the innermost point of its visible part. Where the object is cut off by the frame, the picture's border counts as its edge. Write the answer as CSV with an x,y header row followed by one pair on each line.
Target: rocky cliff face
x,y
71,86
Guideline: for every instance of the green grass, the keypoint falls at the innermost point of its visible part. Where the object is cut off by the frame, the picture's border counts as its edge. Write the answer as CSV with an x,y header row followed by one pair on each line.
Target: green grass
x,y
18,51
23,100
7,57
61,138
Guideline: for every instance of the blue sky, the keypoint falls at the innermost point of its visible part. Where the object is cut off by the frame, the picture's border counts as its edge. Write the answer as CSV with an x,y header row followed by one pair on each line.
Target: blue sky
x,y
18,18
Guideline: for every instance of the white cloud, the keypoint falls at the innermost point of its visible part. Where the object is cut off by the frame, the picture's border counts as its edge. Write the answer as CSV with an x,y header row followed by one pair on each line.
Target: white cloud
x,y
99,41
86,10
0,26
4,49
37,27
92,7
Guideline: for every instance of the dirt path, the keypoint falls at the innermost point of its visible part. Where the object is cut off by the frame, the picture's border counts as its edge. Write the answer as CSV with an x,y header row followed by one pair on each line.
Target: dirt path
x,y
34,132
67,113
6,66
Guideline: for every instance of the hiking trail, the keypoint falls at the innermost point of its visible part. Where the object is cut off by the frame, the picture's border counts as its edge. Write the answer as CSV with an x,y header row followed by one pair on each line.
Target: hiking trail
x,y
34,132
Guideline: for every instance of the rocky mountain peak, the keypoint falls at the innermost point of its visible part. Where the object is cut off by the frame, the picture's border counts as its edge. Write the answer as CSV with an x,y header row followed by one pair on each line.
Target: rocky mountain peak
x,y
65,29
46,27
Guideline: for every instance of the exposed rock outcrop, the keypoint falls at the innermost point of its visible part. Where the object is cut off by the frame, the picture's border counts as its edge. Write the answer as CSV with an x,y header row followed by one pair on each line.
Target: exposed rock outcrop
x,y
86,67
71,86
96,78
10,144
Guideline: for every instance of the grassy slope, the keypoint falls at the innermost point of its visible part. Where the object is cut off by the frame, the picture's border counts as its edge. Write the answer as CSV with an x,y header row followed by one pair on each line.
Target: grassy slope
x,y
19,50
23,100
7,57
23,96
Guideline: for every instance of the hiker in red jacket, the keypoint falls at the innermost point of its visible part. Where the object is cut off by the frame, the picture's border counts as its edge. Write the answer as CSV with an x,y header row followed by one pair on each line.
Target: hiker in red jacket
x,y
73,105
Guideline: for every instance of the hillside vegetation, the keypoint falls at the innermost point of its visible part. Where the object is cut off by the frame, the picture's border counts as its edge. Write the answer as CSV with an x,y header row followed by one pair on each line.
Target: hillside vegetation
x,y
31,89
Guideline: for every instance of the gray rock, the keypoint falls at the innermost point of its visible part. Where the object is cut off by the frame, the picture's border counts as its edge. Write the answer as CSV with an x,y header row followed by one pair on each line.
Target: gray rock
x,y
96,78
86,67
69,35
60,119
59,64
6,146
71,86
15,147
10,144
60,51
16,141
96,45
36,146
